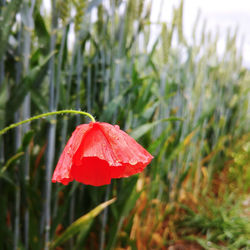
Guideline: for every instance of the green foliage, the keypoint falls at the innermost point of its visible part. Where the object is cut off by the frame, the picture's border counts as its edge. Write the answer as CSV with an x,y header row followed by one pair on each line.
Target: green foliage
x,y
7,15
80,224
184,101
240,170
141,130
227,223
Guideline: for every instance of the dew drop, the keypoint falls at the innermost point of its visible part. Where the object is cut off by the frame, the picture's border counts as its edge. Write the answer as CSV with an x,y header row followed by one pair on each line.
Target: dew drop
x,y
133,162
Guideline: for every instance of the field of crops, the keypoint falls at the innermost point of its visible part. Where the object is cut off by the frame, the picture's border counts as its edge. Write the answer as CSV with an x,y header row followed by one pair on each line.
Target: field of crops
x,y
184,101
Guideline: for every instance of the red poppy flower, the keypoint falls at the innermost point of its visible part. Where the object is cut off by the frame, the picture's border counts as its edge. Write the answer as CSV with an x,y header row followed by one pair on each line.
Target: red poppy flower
x,y
98,152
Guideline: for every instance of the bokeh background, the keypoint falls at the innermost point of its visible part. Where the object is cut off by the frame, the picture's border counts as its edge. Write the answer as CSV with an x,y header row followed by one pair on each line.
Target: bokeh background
x,y
132,63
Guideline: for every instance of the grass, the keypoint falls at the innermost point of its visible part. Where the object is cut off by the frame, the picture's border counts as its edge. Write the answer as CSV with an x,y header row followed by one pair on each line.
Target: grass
x,y
183,101
217,219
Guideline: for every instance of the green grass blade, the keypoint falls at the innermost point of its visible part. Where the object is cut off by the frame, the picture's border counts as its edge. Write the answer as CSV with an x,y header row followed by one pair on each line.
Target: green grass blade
x,y
80,223
143,129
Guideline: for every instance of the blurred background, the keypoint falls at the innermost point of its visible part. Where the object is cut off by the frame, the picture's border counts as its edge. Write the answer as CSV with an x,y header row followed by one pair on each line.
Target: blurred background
x,y
139,64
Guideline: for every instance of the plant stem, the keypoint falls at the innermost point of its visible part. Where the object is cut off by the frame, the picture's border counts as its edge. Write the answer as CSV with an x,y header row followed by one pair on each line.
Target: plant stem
x,y
78,82
18,140
57,96
66,111
49,164
17,215
2,76
26,113
104,219
52,128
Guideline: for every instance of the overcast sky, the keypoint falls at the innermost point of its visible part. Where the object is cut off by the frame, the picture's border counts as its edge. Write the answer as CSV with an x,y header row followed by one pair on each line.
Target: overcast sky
x,y
220,14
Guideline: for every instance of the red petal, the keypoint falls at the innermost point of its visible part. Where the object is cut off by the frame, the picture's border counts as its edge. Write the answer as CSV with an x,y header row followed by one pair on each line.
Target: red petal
x,y
92,171
107,142
95,144
97,152
133,157
62,172
127,170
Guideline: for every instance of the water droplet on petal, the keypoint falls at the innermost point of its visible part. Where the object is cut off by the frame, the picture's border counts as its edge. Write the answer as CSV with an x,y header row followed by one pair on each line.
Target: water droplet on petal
x,y
133,162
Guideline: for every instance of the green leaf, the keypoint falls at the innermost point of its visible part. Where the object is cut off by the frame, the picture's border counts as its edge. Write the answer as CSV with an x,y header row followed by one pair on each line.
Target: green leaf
x,y
82,235
35,76
41,31
125,203
80,224
3,101
27,139
114,104
10,161
143,129
130,203
39,100
7,178
8,13
3,95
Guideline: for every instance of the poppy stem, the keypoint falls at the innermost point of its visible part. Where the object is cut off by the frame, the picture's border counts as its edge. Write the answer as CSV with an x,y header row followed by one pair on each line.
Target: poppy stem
x,y
67,111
